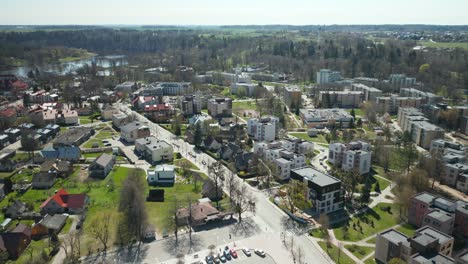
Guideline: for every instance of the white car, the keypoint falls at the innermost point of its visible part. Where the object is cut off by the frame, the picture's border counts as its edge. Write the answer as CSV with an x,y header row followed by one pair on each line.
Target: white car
x,y
247,252
260,252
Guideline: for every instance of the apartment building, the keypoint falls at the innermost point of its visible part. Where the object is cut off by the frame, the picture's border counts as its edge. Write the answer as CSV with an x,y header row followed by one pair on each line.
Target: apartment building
x,y
190,105
355,155
220,107
325,191
320,118
134,130
422,132
369,93
426,245
153,149
292,96
263,129
340,99
428,98
245,89
398,81
391,104
327,76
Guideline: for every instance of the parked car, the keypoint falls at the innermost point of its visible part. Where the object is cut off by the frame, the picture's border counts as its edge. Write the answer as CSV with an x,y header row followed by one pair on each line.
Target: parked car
x,y
209,260
247,252
260,252
222,258
227,254
216,260
233,253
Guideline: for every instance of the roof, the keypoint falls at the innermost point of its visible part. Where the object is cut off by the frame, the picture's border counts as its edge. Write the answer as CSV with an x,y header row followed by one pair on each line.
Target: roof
x,y
424,197
132,126
104,159
436,259
8,112
43,177
157,107
54,222
394,236
315,176
66,200
72,135
428,233
440,215
164,167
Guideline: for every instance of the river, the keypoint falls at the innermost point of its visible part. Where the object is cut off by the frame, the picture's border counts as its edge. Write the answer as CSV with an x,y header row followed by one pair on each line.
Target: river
x,y
62,68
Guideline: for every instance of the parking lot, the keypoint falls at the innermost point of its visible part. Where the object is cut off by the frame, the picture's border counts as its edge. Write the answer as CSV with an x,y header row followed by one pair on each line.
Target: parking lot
x,y
254,259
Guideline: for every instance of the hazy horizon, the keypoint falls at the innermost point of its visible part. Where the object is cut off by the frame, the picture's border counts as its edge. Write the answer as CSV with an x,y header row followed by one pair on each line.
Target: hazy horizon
x,y
241,12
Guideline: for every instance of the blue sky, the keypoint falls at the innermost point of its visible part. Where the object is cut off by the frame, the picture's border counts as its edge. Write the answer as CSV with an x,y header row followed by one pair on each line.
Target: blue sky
x,y
220,12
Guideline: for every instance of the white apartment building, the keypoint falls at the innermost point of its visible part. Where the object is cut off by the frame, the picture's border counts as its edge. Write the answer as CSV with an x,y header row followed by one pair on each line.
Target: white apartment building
x,y
263,129
219,107
153,149
355,155
422,132
369,93
328,76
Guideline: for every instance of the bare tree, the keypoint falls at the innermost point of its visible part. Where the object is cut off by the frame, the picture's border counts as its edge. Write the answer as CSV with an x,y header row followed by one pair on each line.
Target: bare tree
x,y
243,200
216,172
71,244
231,184
100,228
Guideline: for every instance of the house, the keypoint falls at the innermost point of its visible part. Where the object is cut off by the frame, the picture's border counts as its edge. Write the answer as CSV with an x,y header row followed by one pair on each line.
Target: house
x,y
153,149
63,202
49,224
292,96
197,214
263,129
126,87
69,153
106,113
320,118
4,141
159,112
14,134
220,107
43,180
242,161
7,117
67,117
66,145
162,175
6,163
210,143
120,119
14,242
228,151
354,156
134,130
101,166
16,209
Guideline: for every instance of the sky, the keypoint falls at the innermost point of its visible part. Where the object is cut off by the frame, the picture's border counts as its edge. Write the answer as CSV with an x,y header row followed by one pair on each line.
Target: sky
x,y
237,12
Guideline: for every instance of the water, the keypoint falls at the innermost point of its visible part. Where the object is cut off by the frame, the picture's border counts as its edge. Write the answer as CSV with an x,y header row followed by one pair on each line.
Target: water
x,y
63,68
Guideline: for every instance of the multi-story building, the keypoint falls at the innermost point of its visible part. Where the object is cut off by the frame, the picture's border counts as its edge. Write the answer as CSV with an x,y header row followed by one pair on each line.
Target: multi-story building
x,y
153,149
355,155
220,107
190,105
325,191
292,96
245,89
340,99
422,132
320,118
398,81
327,76
134,130
440,220
263,129
369,93
391,104
428,98
461,218
159,112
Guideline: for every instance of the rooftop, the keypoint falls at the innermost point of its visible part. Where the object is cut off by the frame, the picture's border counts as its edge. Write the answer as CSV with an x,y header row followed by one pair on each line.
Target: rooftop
x,y
437,259
394,236
316,176
424,197
427,233
440,215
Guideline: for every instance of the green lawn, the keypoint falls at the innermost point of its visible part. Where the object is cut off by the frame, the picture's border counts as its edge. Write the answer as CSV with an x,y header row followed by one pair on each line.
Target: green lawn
x,y
359,251
333,253
95,154
84,120
370,260
407,229
33,252
319,139
244,105
357,111
179,163
67,226
384,183
21,156
316,233
24,175
381,220
371,241
463,45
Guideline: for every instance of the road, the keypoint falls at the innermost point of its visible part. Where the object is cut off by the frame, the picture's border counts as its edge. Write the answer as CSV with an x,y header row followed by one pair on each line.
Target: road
x,y
267,216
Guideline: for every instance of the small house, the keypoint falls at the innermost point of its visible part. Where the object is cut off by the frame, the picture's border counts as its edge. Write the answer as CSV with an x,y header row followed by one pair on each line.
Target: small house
x,y
49,224
162,175
43,180
63,202
101,166
14,242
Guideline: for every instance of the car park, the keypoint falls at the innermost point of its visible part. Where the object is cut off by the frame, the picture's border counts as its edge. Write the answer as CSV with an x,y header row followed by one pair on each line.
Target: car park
x,y
260,252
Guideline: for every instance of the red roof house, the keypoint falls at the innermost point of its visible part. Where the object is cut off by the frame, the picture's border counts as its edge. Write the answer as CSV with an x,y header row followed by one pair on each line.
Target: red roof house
x,y
63,202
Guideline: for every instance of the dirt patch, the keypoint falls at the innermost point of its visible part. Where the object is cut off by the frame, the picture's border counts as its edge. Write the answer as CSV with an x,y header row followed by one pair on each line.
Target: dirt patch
x,y
249,113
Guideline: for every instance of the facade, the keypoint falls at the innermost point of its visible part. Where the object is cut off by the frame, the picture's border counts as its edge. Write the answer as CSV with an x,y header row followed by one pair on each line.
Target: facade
x,y
391,244
355,155
292,96
249,89
391,104
16,241
153,149
159,113
325,191
428,98
101,166
422,132
340,99
320,118
120,119
162,175
369,93
190,105
327,76
134,130
398,81
220,107
263,129
108,112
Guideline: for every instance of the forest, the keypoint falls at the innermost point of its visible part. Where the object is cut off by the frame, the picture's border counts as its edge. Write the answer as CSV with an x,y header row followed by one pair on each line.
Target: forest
x,y
300,51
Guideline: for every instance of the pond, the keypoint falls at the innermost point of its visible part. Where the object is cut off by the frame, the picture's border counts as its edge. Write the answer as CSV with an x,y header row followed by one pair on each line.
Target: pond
x,y
62,68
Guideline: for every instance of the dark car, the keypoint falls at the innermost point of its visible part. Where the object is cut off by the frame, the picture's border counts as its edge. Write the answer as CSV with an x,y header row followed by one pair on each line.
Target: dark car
x,y
227,254
209,260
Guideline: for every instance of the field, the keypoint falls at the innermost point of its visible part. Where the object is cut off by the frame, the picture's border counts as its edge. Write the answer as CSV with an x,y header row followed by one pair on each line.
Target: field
x,y
359,251
449,45
249,108
377,218
319,139
333,252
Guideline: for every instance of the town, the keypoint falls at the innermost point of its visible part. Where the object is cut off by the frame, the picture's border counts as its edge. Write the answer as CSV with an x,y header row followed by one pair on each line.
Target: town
x,y
239,163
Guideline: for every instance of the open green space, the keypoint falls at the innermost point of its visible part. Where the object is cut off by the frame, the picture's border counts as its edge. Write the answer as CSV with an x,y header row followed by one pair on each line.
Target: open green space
x,y
357,111
239,107
84,120
407,229
372,221
316,233
22,156
24,175
449,45
33,253
67,226
319,139
359,251
370,260
169,127
185,162
335,255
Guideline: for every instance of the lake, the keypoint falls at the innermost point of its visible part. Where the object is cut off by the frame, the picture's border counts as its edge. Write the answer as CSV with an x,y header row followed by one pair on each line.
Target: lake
x,y
63,68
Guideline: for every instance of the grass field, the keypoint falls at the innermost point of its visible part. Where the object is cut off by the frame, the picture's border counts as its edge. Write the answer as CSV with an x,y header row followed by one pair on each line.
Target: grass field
x,y
370,260
180,162
237,107
381,219
450,45
407,229
319,139
357,111
359,251
333,253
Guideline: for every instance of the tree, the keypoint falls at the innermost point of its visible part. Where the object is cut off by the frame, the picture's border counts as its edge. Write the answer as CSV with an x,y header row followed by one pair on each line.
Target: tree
x,y
216,172
29,144
377,187
198,135
296,196
365,195
243,200
231,184
324,223
410,155
71,246
433,164
132,205
100,228
353,114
